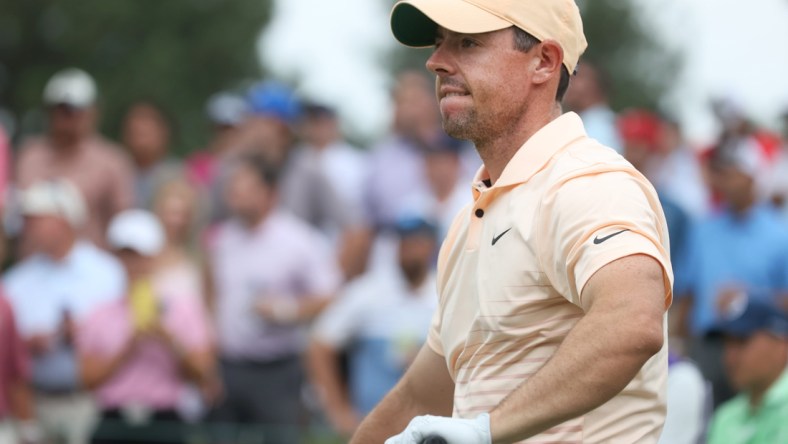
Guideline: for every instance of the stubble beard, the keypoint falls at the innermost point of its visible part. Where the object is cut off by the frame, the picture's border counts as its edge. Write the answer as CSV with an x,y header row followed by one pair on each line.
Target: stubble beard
x,y
467,126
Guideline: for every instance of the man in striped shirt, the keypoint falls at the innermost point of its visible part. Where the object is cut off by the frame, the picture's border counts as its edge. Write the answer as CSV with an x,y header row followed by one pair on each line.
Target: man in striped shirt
x,y
555,281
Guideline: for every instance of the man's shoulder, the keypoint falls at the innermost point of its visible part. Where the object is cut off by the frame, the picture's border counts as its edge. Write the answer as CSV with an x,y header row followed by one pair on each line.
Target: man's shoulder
x,y
105,150
30,269
34,147
86,253
588,156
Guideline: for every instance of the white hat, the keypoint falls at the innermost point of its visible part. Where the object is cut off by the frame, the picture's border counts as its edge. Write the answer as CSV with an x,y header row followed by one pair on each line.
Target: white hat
x,y
137,230
72,86
55,198
227,109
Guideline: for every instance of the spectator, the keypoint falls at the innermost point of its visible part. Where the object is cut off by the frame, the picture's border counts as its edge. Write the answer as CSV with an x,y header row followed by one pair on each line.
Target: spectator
x,y
588,96
382,320
64,279
272,273
138,352
641,135
680,175
179,271
206,168
17,420
72,149
743,247
344,165
756,355
688,403
304,190
345,169
778,184
416,120
146,134
5,161
447,192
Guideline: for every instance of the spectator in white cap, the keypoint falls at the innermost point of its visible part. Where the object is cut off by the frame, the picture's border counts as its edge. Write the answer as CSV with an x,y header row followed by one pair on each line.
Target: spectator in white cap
x,y
53,289
138,352
72,148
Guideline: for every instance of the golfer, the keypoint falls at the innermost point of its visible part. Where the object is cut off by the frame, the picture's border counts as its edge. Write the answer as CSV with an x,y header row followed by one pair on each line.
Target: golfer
x,y
555,281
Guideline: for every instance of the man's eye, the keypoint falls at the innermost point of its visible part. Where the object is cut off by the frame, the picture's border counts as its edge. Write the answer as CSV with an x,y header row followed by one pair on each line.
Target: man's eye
x,y
468,43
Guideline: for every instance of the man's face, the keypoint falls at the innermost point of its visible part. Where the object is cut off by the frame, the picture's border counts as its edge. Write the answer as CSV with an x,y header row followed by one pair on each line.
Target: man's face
x,y
46,233
482,82
415,255
145,132
414,106
136,264
735,186
753,362
248,198
443,171
68,124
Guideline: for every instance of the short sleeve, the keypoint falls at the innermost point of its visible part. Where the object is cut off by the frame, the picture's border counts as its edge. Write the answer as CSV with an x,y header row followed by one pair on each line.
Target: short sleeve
x,y
434,334
340,322
590,221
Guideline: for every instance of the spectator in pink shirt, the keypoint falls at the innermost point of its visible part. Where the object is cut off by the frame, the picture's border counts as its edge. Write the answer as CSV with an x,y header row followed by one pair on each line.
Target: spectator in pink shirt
x,y
139,352
73,149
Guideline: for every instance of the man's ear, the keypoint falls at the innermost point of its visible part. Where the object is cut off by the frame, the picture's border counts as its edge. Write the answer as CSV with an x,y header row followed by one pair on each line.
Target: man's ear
x,y
549,61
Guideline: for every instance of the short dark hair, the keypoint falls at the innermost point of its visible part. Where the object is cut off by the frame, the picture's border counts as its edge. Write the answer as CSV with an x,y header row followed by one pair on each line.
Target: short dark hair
x,y
264,169
524,42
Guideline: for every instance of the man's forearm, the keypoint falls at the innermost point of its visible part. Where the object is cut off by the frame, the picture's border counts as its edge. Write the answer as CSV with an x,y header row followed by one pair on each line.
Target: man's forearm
x,y
388,418
426,388
595,362
325,375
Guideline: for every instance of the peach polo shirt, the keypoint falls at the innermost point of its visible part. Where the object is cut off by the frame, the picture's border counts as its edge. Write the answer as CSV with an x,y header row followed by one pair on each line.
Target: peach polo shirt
x,y
513,266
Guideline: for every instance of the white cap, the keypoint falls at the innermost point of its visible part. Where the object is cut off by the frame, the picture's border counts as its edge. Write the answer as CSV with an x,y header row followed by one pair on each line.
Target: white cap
x,y
227,109
72,86
58,198
137,230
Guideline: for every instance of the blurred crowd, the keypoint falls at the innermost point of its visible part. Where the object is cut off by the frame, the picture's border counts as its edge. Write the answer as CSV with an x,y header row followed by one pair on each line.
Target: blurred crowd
x,y
279,278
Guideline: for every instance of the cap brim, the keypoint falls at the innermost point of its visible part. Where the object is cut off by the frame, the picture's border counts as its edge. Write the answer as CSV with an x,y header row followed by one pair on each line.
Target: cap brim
x,y
414,22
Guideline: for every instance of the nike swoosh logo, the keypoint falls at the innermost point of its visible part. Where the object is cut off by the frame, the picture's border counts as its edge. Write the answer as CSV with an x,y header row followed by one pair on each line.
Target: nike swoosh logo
x,y
495,238
598,240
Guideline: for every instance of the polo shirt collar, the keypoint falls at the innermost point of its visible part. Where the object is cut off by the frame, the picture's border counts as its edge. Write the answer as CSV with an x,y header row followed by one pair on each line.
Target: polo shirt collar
x,y
535,152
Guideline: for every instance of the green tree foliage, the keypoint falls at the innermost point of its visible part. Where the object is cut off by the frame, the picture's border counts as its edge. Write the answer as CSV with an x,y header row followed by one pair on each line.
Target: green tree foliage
x,y
621,40
174,52
625,44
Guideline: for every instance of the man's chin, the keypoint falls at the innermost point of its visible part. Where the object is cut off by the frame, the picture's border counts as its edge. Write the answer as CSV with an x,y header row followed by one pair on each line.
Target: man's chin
x,y
456,129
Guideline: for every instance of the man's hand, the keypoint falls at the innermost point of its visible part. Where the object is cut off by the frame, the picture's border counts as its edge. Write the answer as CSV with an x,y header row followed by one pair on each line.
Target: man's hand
x,y
452,430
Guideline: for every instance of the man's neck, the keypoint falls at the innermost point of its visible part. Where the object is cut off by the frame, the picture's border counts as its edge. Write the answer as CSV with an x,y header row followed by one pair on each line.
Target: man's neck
x,y
740,209
62,251
496,153
252,223
757,394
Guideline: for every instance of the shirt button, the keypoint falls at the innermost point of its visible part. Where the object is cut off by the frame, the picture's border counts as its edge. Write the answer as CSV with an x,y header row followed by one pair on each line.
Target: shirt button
x,y
479,213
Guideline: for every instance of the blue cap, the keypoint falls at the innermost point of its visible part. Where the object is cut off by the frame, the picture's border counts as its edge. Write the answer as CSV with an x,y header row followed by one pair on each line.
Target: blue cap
x,y
748,316
413,225
275,100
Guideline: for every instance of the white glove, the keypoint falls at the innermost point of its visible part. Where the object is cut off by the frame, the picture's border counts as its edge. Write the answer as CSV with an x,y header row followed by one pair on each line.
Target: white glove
x,y
453,430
